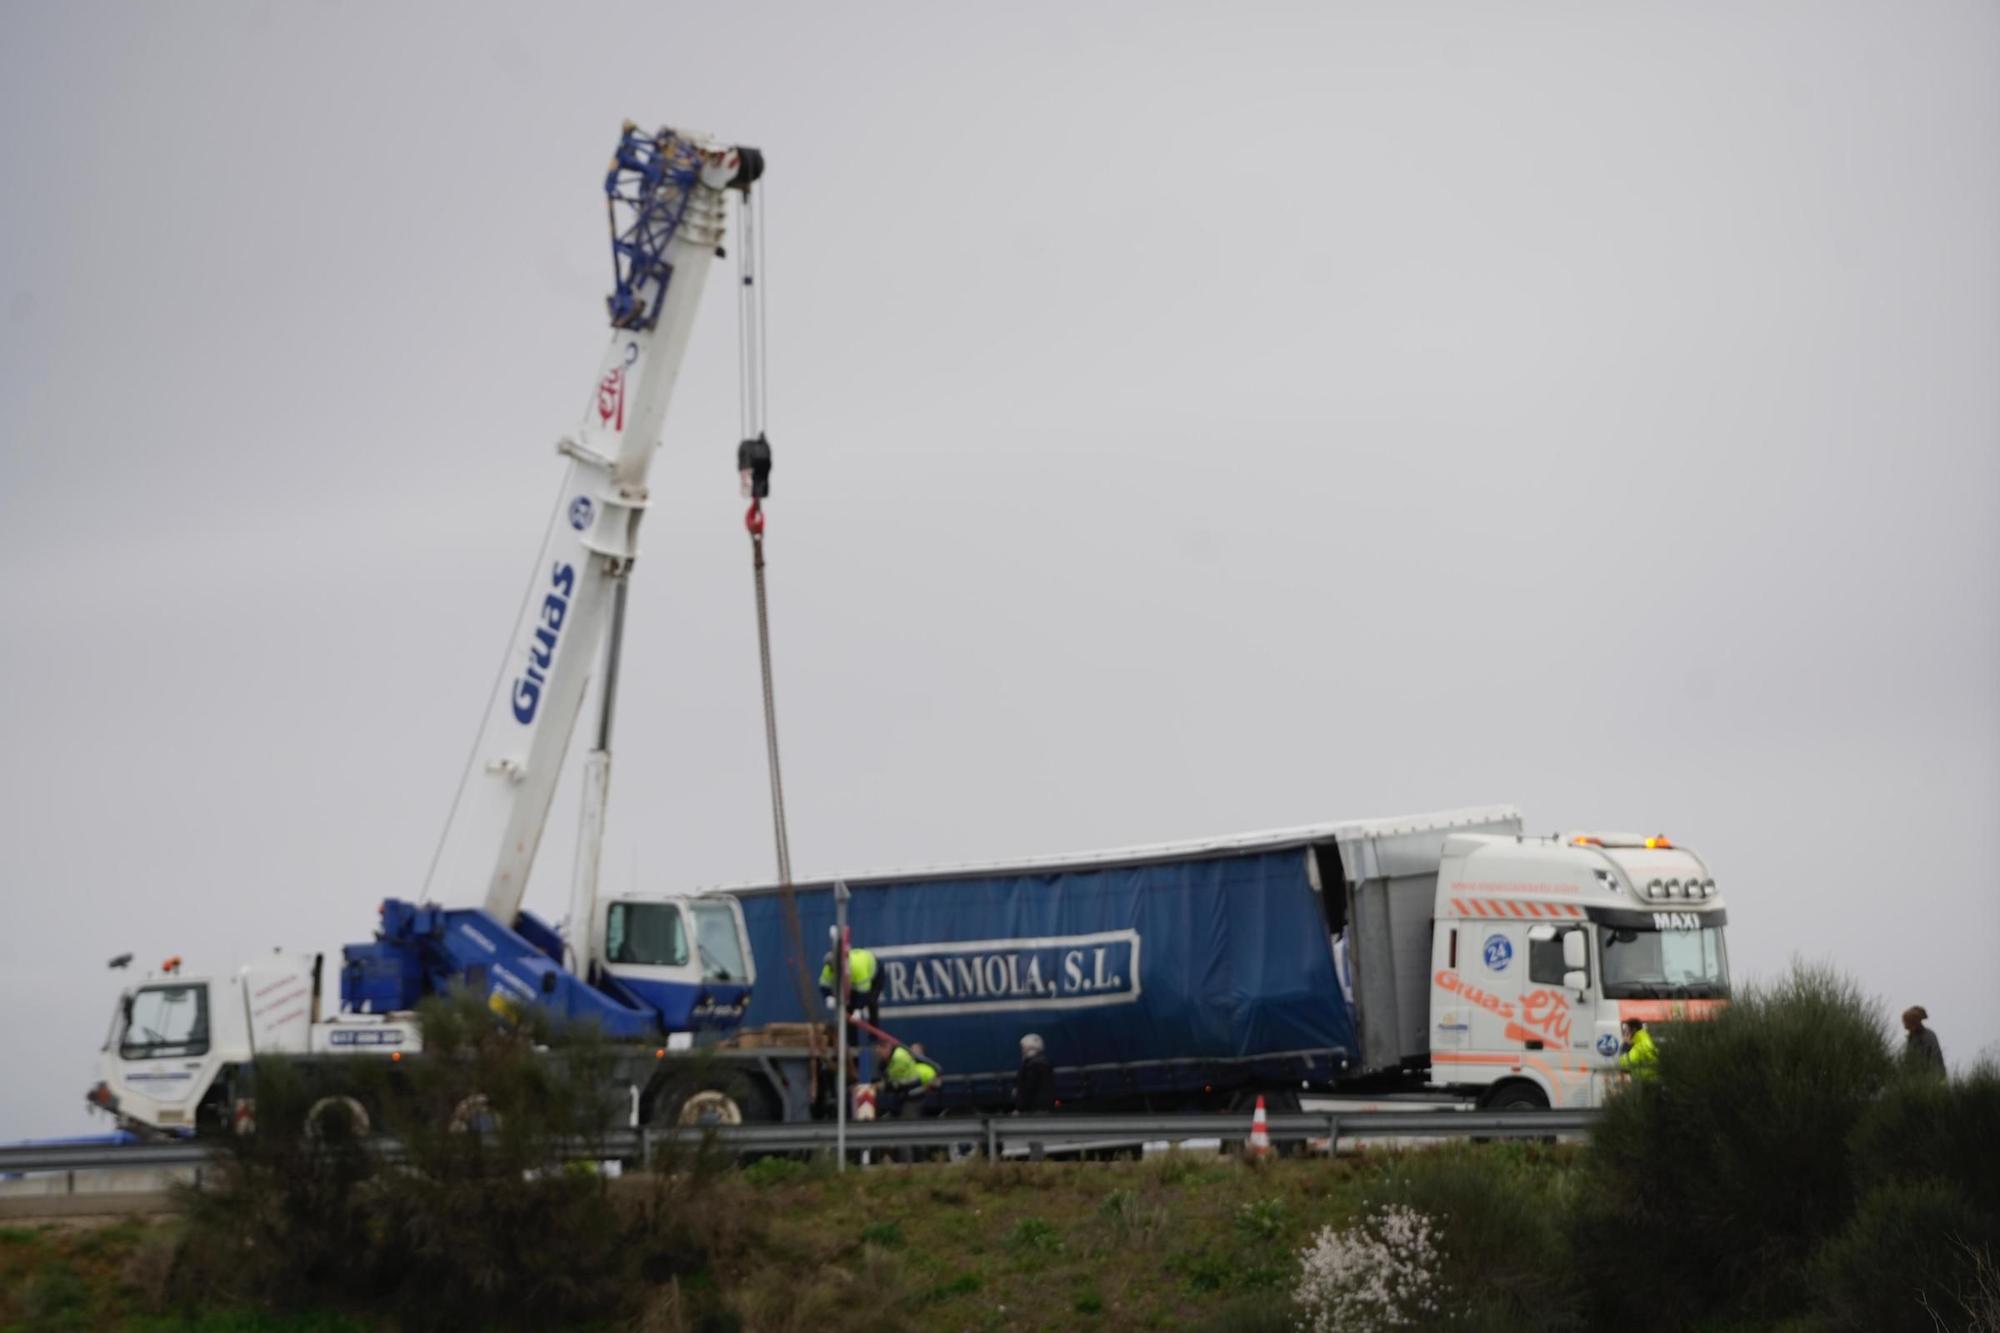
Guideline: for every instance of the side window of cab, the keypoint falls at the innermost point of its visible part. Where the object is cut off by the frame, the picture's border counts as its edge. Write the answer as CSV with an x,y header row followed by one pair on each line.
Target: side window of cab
x,y
1545,959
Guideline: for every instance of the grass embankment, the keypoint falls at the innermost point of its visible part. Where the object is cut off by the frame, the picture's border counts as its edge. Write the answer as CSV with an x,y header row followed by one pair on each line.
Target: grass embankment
x,y
1781,1172
1178,1241
114,1277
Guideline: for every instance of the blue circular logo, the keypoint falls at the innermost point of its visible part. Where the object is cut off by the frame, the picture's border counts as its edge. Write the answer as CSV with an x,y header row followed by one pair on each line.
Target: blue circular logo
x,y
579,512
1499,952
1607,1045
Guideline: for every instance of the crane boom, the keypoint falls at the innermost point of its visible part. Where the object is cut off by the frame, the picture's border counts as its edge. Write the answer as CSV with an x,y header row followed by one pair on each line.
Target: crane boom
x,y
665,196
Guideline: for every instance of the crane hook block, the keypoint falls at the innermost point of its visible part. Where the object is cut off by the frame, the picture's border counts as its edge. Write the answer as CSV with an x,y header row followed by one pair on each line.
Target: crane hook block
x,y
753,464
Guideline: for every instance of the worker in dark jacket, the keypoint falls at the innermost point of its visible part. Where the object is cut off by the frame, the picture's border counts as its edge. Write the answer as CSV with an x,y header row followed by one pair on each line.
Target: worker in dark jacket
x,y
1035,1084
1921,1050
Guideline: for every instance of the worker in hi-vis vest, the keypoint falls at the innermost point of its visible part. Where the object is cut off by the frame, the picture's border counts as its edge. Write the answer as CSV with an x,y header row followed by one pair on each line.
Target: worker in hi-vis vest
x,y
906,1076
1641,1058
864,991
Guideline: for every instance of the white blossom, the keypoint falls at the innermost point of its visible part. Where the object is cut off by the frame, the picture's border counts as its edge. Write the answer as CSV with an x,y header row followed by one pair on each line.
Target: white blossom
x,y
1379,1273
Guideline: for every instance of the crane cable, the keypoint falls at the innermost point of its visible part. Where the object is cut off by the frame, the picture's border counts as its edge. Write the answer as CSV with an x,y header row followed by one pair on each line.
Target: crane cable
x,y
753,463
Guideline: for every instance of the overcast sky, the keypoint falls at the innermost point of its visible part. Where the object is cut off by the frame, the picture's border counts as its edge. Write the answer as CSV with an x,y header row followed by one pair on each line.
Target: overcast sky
x,y
1188,420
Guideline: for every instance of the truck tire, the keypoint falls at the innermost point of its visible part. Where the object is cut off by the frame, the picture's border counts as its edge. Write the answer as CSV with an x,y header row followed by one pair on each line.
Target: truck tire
x,y
1517,1095
728,1098
474,1115
338,1115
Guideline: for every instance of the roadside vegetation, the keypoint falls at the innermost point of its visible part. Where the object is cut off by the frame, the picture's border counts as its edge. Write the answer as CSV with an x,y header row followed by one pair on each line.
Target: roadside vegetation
x,y
1782,1173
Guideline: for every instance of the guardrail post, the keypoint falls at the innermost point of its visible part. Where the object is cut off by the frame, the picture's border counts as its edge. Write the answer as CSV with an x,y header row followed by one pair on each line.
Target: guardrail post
x,y
1332,1133
992,1138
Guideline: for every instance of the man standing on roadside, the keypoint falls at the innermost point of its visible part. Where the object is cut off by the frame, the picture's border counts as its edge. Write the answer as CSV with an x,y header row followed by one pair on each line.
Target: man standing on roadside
x,y
1035,1084
1921,1051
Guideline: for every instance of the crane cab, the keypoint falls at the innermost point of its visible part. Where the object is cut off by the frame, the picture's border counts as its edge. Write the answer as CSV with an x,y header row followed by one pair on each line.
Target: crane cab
x,y
687,958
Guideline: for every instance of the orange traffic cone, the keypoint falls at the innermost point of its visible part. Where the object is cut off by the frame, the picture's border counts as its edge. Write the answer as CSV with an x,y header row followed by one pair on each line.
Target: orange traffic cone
x,y
1260,1133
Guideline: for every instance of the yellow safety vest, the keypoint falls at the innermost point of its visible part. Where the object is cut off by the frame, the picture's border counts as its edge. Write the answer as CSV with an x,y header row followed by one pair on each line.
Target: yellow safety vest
x,y
906,1072
1643,1060
860,971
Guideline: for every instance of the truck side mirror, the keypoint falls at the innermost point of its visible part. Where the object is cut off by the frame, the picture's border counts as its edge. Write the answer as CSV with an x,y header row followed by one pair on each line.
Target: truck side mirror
x,y
1575,950
1541,934
1576,979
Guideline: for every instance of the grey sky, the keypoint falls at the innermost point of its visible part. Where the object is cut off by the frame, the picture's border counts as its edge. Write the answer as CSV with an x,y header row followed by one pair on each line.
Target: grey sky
x,y
1188,419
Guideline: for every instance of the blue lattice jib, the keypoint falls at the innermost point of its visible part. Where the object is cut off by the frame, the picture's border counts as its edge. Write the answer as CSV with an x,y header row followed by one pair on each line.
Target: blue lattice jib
x,y
646,193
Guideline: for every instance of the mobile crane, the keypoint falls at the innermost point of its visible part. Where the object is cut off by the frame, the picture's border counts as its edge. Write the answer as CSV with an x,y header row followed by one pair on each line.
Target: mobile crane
x,y
640,968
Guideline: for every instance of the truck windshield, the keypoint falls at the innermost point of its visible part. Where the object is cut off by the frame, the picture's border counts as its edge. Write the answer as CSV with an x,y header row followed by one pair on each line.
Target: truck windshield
x,y
162,1021
648,934
715,937
1664,964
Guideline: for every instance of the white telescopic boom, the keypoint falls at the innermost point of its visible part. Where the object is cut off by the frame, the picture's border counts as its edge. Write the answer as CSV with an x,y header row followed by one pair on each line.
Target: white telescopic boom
x,y
503,798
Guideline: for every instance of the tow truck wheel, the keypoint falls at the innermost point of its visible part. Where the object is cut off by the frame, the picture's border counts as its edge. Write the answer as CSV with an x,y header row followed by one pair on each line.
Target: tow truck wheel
x,y
338,1115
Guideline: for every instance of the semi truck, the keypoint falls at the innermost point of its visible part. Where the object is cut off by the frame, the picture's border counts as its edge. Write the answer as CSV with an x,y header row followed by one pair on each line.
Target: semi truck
x,y
1449,954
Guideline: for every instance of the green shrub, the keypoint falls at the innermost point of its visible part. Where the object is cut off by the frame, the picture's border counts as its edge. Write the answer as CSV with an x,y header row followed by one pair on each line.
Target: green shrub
x,y
1926,1129
1202,1270
776,1171
1711,1186
1261,1219
1504,1212
1033,1234
965,1284
54,1296
491,1228
1130,1219
889,1235
1909,1245
1177,1167
1267,1313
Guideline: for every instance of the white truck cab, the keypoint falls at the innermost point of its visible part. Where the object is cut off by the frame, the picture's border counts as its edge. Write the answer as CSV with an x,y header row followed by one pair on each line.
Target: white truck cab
x,y
177,1057
1542,947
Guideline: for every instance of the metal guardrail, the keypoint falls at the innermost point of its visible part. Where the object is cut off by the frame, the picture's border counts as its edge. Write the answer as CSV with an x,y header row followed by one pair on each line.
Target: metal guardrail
x,y
995,1136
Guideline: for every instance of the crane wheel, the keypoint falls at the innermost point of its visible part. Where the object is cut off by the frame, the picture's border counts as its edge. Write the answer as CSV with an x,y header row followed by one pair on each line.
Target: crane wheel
x,y
474,1115
710,1106
337,1117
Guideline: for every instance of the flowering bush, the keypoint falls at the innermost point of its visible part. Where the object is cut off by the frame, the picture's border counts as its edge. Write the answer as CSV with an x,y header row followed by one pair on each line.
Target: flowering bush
x,y
1382,1272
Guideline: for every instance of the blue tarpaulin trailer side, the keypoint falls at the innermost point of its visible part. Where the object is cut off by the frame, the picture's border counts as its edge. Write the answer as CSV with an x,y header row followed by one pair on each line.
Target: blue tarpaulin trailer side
x,y
1173,975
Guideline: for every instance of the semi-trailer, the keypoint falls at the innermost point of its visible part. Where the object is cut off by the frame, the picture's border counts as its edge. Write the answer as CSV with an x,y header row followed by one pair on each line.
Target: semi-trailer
x,y
1451,954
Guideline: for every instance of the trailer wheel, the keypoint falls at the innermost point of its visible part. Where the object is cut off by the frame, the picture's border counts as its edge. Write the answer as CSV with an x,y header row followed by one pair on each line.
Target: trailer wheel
x,y
337,1117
